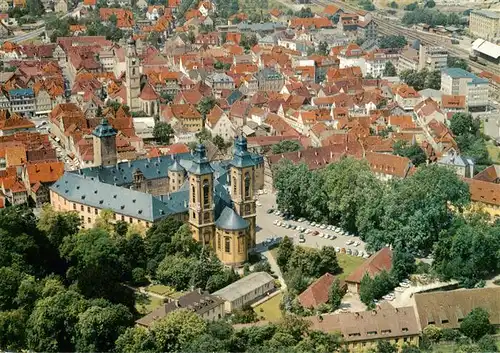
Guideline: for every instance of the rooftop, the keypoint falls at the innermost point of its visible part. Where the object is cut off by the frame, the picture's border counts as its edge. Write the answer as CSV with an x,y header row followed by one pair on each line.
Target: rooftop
x,y
244,286
381,260
230,220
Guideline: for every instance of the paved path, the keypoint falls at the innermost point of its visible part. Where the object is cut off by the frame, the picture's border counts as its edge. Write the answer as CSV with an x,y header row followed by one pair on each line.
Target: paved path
x,y
275,268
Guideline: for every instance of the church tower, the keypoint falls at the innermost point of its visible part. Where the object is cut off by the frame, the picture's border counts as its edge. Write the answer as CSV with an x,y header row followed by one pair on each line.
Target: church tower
x,y
132,76
104,136
201,202
242,174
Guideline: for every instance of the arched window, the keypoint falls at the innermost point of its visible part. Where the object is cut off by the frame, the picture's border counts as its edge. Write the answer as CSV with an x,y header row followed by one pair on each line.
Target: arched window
x,y
247,209
206,192
193,198
234,185
247,185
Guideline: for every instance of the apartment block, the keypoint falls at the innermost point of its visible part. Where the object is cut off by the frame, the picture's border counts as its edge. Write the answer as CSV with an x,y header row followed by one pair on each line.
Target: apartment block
x,y
432,58
485,24
455,81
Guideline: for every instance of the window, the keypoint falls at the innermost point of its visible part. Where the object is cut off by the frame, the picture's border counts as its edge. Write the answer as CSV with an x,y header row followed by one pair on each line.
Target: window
x,y
194,215
227,244
384,332
96,211
247,185
247,209
234,185
74,206
123,218
82,218
444,321
81,208
88,220
218,242
206,217
130,219
206,192
88,209
193,198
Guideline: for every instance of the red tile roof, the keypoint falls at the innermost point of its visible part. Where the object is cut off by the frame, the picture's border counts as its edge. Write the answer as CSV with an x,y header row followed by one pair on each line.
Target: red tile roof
x,y
484,191
381,260
47,172
317,293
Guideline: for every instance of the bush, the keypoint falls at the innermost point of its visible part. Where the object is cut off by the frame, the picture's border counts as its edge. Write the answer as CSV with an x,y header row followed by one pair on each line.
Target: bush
x,y
433,333
448,334
487,344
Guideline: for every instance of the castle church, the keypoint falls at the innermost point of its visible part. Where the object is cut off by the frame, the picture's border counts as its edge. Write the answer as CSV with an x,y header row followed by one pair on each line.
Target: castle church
x,y
217,199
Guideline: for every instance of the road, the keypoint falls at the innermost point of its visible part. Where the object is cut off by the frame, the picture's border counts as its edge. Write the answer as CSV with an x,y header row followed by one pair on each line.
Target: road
x,y
266,229
33,34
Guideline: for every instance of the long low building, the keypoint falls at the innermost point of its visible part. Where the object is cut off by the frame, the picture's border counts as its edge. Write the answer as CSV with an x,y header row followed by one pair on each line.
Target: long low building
x,y
246,290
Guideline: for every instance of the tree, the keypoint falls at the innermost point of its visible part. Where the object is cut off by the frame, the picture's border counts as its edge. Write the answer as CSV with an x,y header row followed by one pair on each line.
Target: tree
x,y
433,80
95,265
220,143
99,111
319,342
393,5
384,346
304,12
464,123
50,327
244,315
414,152
457,62
205,105
323,48
136,339
487,344
476,324
158,239
411,7
177,329
392,41
366,290
163,132
286,146
403,264
468,251
327,261
430,4
389,69
12,329
35,8
99,327
335,294
432,333
285,251
175,271
10,280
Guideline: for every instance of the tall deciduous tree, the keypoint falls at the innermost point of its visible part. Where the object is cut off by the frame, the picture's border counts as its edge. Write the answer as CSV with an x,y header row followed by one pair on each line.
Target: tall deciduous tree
x,y
286,146
476,324
285,251
335,294
163,132
389,69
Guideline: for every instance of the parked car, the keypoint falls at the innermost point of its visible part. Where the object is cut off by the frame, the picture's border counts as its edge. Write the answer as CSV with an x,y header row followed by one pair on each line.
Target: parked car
x,y
356,243
349,251
302,239
355,252
349,242
337,249
323,226
269,211
315,232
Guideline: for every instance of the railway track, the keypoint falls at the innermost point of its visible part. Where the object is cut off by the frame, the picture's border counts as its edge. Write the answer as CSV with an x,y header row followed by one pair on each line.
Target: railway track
x,y
389,28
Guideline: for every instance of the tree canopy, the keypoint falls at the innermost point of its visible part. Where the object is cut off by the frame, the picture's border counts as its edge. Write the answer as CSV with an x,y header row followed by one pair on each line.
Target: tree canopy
x,y
163,132
392,41
286,146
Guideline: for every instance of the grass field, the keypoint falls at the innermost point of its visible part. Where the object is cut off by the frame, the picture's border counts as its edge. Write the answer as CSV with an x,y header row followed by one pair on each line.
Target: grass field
x,y
146,304
494,152
160,289
270,309
348,264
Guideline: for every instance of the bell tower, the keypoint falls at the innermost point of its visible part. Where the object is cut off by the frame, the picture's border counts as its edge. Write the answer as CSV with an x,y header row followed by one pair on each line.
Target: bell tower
x,y
201,202
132,76
242,174
104,136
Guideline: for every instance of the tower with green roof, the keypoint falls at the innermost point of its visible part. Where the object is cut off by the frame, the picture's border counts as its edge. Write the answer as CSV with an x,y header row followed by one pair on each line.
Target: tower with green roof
x,y
104,136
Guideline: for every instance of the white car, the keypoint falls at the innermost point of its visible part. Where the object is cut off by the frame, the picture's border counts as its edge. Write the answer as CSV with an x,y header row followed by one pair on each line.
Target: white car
x,y
404,285
349,242
275,222
322,226
337,249
356,243
399,289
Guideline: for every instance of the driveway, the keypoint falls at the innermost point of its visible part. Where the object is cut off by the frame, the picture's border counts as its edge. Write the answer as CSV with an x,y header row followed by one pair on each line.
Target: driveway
x,y
266,228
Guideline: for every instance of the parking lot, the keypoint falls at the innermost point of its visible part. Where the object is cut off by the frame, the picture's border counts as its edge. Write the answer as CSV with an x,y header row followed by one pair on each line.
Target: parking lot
x,y
266,229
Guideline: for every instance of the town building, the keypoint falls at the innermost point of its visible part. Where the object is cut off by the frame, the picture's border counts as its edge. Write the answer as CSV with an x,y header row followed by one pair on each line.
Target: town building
x,y
378,262
485,195
462,166
447,309
432,58
317,293
246,291
270,80
208,306
455,81
22,101
217,199
485,24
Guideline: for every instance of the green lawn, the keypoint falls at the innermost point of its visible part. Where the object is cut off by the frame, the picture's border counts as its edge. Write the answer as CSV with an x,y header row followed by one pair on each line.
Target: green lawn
x,y
160,289
494,152
146,304
270,309
348,264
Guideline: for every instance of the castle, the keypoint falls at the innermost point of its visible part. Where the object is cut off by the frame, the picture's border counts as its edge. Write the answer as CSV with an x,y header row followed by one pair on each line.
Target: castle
x,y
217,199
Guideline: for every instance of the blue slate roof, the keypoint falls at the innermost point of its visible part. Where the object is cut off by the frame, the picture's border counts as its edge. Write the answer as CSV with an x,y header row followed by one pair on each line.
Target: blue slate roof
x,y
230,220
21,92
241,157
89,191
176,166
456,72
104,129
200,165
